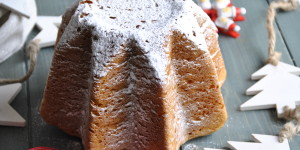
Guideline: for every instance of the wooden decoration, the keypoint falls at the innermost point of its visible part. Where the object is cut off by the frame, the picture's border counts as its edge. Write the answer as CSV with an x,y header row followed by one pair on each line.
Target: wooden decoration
x,y
49,28
15,27
8,116
212,149
279,88
264,142
269,69
191,147
16,6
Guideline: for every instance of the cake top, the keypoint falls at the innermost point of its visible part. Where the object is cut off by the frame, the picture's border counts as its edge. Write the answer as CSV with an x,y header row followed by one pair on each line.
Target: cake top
x,y
148,22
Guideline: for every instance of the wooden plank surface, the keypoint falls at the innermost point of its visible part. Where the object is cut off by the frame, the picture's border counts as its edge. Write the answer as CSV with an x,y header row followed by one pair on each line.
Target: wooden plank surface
x,y
242,57
289,24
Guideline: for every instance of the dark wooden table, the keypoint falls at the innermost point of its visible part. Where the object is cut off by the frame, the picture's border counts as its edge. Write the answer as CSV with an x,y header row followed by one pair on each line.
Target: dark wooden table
x,y
243,56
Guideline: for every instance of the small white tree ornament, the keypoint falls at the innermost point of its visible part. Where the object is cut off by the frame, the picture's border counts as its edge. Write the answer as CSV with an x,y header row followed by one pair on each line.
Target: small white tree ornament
x,y
269,69
19,7
15,29
265,142
279,87
8,116
49,29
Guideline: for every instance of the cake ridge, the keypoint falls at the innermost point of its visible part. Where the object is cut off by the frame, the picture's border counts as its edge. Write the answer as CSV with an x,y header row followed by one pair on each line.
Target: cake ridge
x,y
132,92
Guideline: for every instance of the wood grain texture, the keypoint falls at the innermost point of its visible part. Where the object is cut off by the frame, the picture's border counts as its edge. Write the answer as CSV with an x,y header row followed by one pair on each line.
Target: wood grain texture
x,y
243,56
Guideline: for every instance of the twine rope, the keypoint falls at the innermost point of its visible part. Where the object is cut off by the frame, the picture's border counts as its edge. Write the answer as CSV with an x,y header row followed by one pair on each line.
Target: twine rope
x,y
288,131
32,50
291,128
274,56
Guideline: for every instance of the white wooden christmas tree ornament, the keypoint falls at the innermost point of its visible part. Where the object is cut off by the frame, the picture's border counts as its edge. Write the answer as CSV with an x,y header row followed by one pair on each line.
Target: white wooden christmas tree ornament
x,y
280,87
212,149
8,116
49,28
15,29
16,6
264,142
191,147
269,69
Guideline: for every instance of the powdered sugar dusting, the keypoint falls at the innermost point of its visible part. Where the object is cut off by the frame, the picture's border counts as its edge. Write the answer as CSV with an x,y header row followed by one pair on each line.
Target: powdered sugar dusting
x,y
149,22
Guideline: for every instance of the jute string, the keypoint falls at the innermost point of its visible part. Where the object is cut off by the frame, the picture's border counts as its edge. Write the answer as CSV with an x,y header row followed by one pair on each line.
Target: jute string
x,y
274,57
32,50
291,128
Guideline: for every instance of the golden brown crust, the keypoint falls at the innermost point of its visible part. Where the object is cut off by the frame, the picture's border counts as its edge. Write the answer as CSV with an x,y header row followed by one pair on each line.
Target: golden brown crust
x,y
65,92
198,87
220,67
215,52
211,38
124,104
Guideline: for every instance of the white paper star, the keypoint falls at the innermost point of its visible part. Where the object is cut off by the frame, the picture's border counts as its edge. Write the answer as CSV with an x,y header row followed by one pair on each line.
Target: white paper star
x,y
8,116
49,28
280,87
16,6
266,142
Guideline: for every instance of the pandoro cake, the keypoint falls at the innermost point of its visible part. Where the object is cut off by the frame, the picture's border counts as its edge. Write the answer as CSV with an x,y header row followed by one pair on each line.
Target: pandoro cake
x,y
135,74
